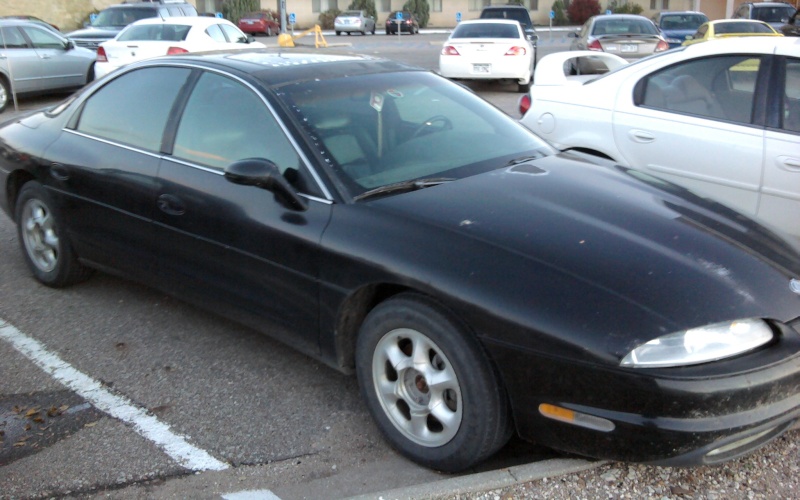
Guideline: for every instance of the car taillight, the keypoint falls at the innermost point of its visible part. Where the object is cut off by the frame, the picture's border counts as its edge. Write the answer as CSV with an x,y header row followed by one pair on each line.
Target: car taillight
x,y
176,50
101,55
524,104
595,45
516,51
662,46
449,50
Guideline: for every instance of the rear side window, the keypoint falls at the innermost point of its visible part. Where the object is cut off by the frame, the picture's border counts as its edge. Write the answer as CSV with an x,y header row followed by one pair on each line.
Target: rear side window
x,y
715,87
133,109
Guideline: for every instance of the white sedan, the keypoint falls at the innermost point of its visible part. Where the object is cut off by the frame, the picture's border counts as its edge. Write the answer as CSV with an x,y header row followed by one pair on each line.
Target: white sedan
x,y
154,37
721,118
488,49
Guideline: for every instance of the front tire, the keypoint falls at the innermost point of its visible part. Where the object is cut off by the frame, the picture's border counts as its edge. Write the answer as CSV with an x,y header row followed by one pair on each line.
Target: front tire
x,y
429,385
45,245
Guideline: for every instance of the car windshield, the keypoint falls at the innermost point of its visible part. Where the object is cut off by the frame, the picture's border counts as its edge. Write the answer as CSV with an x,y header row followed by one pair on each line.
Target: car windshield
x,y
121,16
686,22
624,26
513,14
389,128
486,30
165,32
255,15
406,15
773,14
735,28
351,13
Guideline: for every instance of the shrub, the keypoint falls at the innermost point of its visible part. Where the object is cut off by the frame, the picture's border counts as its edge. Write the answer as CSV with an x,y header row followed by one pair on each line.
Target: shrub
x,y
233,10
624,7
560,12
581,10
421,9
326,18
367,6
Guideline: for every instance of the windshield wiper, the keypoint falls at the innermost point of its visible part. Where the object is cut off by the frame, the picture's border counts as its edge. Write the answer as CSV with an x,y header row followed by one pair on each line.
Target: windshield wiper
x,y
403,187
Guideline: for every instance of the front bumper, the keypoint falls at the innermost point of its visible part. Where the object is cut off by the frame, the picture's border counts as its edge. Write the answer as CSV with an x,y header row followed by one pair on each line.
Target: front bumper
x,y
696,415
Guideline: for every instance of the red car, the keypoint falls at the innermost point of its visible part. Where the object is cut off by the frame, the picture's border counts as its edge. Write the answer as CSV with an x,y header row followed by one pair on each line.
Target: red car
x,y
259,22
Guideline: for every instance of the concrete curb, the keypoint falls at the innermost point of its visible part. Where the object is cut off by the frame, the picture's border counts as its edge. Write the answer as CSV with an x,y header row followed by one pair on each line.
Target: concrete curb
x,y
484,481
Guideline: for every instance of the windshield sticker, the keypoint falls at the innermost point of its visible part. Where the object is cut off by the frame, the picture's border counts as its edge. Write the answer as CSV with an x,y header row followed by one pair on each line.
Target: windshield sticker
x,y
376,101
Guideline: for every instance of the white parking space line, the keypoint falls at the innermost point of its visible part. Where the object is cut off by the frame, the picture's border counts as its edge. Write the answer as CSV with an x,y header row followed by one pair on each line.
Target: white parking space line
x,y
119,407
252,495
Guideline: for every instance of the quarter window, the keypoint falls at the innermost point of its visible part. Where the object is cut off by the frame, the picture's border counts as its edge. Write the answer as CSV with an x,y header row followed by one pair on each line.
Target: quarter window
x,y
133,108
224,122
11,38
716,87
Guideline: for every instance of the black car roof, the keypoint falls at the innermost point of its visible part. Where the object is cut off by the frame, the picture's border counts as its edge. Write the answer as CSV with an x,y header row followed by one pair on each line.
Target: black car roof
x,y
278,66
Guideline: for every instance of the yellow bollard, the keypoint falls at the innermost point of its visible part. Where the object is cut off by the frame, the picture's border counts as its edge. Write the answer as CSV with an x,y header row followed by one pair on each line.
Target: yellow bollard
x,y
285,40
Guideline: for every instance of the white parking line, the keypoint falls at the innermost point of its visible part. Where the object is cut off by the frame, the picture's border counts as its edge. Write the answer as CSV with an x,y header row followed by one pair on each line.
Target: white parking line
x,y
148,426
252,495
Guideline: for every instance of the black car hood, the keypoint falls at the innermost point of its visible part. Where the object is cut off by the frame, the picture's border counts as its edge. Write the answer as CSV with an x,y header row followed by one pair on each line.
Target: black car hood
x,y
608,248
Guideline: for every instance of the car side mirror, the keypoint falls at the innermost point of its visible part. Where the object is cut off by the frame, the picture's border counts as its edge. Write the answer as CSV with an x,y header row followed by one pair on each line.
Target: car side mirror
x,y
572,34
251,39
784,20
265,174
689,37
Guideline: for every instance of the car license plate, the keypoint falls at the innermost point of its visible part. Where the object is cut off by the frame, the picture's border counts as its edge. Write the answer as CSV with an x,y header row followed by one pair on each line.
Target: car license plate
x,y
629,47
250,22
482,68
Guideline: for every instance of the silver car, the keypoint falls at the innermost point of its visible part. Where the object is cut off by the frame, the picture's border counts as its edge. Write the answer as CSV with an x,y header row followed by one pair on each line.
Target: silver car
x,y
626,35
354,20
37,60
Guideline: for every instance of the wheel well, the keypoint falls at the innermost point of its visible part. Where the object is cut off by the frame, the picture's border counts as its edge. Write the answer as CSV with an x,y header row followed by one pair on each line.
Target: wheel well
x,y
16,180
351,315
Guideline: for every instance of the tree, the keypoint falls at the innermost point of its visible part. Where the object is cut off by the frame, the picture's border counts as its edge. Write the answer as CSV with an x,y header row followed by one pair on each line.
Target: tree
x,y
327,18
367,6
581,10
421,10
233,10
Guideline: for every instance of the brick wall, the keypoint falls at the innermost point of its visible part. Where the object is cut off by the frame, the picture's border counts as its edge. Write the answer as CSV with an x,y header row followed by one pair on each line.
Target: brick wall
x,y
66,14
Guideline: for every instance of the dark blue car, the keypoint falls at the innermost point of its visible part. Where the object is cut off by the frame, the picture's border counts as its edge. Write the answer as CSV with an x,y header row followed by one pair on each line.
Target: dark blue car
x,y
676,26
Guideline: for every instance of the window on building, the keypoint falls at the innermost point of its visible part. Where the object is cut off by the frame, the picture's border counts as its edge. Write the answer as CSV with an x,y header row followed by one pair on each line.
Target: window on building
x,y
476,5
436,5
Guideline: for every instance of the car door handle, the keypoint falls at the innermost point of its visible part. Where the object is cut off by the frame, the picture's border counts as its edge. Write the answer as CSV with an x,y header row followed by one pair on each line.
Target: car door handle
x,y
788,163
641,136
171,205
59,172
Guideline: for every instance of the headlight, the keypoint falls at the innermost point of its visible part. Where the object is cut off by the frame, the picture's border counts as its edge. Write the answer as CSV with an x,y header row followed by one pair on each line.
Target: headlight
x,y
700,345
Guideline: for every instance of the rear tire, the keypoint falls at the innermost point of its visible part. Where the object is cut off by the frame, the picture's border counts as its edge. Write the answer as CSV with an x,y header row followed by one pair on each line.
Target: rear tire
x,y
429,385
5,94
44,241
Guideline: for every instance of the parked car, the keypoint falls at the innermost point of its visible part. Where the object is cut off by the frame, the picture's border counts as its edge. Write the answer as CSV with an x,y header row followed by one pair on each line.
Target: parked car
x,y
111,20
409,24
675,26
33,19
774,13
395,225
514,12
626,35
791,27
37,60
721,118
488,49
260,23
154,37
726,28
354,21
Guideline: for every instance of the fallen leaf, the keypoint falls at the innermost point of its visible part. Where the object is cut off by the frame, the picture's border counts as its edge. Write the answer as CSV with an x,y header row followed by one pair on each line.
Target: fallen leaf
x,y
32,412
63,408
19,443
38,420
27,427
91,424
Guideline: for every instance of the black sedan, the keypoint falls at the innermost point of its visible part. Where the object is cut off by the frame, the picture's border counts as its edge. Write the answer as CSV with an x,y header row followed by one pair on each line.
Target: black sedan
x,y
390,223
406,21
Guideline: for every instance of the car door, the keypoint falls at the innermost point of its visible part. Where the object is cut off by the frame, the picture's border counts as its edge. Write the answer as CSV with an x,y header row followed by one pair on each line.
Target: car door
x,y
780,201
235,248
61,67
19,60
691,123
104,168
